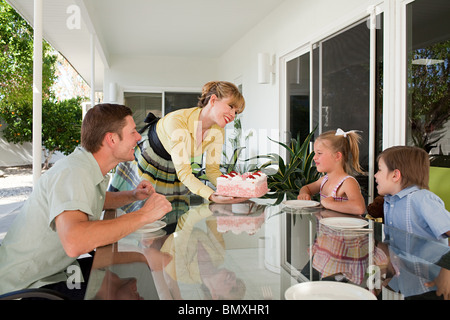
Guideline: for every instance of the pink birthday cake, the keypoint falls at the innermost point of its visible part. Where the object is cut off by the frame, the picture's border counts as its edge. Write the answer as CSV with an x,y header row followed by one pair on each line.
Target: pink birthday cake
x,y
247,185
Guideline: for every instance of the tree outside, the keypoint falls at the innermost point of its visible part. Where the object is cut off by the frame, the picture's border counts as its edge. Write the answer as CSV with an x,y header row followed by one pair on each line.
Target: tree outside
x,y
429,94
61,120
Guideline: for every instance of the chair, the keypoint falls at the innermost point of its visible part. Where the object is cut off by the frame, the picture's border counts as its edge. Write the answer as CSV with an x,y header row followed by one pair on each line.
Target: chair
x,y
40,293
440,184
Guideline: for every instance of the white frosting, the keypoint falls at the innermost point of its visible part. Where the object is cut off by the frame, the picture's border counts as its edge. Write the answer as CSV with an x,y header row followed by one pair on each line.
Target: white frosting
x,y
245,185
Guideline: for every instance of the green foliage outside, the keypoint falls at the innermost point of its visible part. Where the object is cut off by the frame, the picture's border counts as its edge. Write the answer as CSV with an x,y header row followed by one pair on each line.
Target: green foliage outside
x,y
429,92
61,120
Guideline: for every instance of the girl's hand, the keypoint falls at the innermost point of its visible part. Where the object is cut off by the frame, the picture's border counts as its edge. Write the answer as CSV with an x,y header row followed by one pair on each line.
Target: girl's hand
x,y
304,196
305,192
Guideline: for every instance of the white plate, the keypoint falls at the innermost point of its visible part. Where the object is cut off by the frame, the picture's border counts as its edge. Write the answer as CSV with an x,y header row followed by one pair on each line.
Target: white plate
x,y
344,222
327,290
295,204
152,227
151,235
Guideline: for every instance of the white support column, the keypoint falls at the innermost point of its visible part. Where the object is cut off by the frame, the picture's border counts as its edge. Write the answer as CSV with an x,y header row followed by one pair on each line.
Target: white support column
x,y
395,74
92,70
37,91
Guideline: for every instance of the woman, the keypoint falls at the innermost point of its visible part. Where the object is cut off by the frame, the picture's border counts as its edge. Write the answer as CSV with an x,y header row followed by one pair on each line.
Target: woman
x,y
164,154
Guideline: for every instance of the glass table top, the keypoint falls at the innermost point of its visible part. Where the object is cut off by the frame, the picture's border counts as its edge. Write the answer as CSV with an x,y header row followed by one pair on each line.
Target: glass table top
x,y
262,249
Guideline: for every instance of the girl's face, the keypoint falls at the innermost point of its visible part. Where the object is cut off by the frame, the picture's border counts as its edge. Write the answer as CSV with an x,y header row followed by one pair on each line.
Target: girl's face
x,y
385,179
224,113
325,158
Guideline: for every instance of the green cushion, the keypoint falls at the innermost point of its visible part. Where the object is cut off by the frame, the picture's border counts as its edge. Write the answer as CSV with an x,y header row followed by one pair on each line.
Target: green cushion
x,y
440,184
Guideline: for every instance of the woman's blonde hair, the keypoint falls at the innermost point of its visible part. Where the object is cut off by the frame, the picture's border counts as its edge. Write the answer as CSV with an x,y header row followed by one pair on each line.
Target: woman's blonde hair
x,y
412,162
222,90
348,146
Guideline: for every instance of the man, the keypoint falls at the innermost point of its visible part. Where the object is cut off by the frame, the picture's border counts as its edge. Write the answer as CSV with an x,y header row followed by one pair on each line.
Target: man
x,y
61,219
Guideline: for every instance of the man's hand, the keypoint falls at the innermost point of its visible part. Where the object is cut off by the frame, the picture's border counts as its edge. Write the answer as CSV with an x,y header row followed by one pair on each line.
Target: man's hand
x,y
143,190
156,207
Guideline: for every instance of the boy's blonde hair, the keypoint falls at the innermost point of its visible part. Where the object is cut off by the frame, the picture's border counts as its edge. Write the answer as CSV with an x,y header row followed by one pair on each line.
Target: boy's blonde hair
x,y
348,146
412,162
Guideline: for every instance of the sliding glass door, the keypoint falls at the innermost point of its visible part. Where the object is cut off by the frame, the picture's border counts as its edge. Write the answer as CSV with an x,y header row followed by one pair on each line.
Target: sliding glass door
x,y
159,103
338,84
298,96
343,83
428,79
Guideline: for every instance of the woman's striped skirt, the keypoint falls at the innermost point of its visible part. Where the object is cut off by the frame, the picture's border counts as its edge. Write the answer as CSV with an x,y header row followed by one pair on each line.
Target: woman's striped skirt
x,y
147,165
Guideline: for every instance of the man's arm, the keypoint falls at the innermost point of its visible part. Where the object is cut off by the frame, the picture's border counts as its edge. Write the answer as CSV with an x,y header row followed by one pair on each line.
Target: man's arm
x,y
114,200
78,235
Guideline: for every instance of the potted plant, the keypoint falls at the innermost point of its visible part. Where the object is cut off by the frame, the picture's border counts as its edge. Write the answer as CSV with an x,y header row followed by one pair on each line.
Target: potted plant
x,y
292,174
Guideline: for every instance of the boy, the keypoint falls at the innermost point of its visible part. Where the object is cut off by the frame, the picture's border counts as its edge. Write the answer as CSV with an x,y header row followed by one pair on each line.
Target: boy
x,y
402,177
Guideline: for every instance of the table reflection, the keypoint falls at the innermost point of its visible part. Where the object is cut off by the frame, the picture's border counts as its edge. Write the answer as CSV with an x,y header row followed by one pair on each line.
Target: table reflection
x,y
414,263
225,251
197,251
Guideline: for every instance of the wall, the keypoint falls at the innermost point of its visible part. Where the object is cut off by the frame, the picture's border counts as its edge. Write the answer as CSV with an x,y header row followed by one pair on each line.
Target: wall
x,y
20,155
153,73
14,154
292,25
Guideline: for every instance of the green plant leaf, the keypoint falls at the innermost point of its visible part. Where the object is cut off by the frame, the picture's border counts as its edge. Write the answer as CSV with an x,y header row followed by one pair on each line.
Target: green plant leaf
x,y
296,171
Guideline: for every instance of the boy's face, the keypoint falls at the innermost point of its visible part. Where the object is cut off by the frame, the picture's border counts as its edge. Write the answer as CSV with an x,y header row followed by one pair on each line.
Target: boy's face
x,y
386,180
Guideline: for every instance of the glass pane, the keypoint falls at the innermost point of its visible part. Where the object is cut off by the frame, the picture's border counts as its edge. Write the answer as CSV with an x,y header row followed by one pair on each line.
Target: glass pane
x,y
298,90
379,88
142,104
428,99
180,100
345,87
316,87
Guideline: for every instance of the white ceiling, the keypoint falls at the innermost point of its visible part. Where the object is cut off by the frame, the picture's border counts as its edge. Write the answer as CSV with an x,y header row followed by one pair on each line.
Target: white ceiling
x,y
132,28
200,28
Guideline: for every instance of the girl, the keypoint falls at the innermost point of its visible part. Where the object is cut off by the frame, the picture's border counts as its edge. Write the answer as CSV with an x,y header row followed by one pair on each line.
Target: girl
x,y
337,154
164,154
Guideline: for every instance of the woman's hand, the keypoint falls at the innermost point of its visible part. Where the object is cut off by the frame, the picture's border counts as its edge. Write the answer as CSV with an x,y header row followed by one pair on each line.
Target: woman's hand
x,y
224,199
